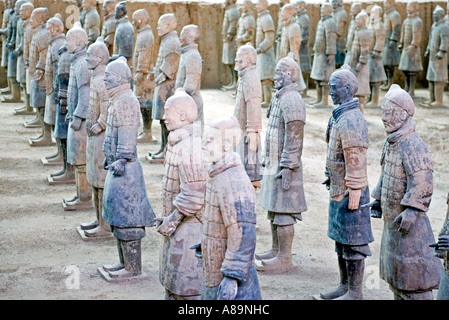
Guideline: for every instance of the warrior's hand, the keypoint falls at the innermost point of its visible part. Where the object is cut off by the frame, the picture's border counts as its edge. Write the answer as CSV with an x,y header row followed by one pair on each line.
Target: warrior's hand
x,y
197,248
38,75
442,244
95,129
354,198
75,124
327,183
286,175
160,78
105,164
227,289
376,210
164,226
138,77
253,141
331,59
406,219
439,55
118,167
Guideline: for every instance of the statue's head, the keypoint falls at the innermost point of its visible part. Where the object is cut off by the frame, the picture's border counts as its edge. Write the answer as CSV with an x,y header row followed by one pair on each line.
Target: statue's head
x,y
220,138
140,18
343,85
189,34
326,9
87,4
18,5
246,56
375,14
412,6
288,11
179,110
438,14
361,19
166,23
76,38
54,27
398,108
117,73
300,5
261,5
97,54
337,4
286,72
39,16
230,2
108,7
356,7
25,10
389,4
248,6
120,10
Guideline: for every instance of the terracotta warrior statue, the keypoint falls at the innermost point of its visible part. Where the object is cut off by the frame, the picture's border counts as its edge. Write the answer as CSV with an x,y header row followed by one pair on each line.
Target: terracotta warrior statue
x,y
23,23
67,174
410,44
190,68
325,49
4,33
78,94
91,20
11,44
248,112
437,48
126,206
282,192
246,25
229,220
402,197
360,55
97,57
377,73
37,60
302,17
390,54
291,38
229,32
356,7
143,64
279,28
56,40
164,72
124,34
341,17
349,223
109,24
183,191
442,251
265,36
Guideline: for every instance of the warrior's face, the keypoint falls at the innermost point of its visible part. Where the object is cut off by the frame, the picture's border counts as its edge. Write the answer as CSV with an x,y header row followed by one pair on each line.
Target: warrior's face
x,y
173,117
337,91
393,117
282,77
241,62
111,79
213,145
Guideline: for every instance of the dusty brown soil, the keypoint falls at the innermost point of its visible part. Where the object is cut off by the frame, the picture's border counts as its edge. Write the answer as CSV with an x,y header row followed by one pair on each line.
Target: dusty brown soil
x,y
41,251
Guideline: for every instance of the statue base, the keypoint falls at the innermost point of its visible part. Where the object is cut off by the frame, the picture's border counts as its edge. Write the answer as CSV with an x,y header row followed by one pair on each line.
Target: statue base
x,y
51,162
51,181
86,238
280,270
78,205
105,275
41,143
317,297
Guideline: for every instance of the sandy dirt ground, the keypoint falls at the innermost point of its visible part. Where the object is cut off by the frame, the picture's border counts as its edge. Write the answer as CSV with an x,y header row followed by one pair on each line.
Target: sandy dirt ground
x,y
42,255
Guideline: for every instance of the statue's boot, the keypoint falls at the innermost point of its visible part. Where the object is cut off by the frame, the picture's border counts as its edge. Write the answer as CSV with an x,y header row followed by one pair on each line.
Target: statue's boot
x,y
132,260
342,288
67,174
7,89
146,135
274,245
56,158
160,155
233,84
374,102
390,74
103,228
34,123
26,109
355,269
116,266
283,260
324,102
362,103
267,91
319,94
306,76
83,191
15,96
45,139
412,85
439,91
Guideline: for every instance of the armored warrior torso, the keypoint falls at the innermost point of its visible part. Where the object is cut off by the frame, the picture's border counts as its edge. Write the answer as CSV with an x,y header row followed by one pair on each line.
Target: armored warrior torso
x,y
51,66
92,25
265,35
341,19
230,20
124,39
108,32
38,51
411,36
21,72
392,23
438,41
360,56
325,44
246,22
304,55
376,67
183,187
143,63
